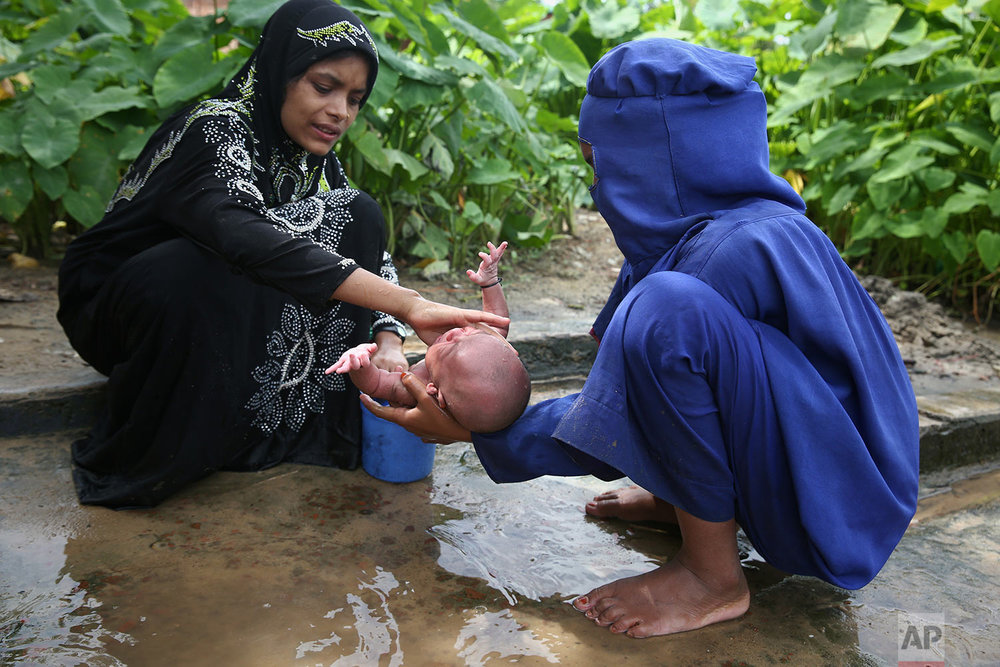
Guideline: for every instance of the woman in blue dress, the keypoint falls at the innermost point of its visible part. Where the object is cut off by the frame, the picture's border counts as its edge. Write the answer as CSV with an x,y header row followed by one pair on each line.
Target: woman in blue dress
x,y
744,378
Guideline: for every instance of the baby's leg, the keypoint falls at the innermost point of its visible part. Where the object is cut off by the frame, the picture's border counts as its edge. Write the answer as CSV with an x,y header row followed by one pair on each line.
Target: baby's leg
x,y
701,585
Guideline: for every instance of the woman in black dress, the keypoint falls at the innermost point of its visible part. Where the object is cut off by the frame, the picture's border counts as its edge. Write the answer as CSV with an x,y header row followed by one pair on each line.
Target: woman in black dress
x,y
233,266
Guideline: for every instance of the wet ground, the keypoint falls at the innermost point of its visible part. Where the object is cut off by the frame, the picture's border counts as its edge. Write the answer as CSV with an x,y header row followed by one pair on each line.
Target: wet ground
x,y
305,565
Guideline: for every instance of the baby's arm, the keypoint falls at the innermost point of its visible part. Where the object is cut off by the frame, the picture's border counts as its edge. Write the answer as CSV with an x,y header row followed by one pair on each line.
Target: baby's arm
x,y
369,378
488,278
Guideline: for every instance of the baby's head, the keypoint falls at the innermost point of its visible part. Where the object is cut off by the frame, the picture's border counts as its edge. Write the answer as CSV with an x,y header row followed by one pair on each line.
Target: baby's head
x,y
479,378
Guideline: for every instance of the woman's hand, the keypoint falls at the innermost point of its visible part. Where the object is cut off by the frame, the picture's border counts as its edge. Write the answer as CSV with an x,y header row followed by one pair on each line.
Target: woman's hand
x,y
389,355
430,319
427,420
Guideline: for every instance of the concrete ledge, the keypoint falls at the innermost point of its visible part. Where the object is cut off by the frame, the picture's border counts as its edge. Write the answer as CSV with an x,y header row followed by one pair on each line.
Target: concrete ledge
x,y
957,427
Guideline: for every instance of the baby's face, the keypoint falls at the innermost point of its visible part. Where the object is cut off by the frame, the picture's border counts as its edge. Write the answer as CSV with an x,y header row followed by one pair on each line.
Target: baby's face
x,y
456,344
449,358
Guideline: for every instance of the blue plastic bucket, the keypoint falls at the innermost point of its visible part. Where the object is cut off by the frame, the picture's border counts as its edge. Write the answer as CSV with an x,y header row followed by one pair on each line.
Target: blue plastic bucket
x,y
391,453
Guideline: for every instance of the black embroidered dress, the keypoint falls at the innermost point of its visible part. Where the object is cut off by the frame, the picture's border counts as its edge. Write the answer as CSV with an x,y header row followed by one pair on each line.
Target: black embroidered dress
x,y
204,293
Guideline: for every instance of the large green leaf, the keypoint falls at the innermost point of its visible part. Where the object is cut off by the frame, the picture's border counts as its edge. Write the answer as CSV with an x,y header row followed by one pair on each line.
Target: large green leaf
x,y
55,30
410,68
566,55
488,43
806,42
85,205
11,123
53,181
109,15
188,74
971,135
957,245
50,81
437,156
608,20
491,172
900,163
182,35
491,99
113,98
866,23
16,190
414,94
968,197
918,52
49,139
371,148
988,246
411,164
96,165
251,13
719,14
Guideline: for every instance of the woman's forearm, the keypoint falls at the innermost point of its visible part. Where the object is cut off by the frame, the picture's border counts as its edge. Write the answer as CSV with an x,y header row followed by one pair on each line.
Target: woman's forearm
x,y
365,289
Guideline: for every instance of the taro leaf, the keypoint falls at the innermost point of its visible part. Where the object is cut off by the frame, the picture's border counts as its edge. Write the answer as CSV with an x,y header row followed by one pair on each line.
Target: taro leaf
x,y
435,36
372,150
862,162
11,123
411,164
967,198
96,164
490,44
988,245
719,14
182,35
805,43
462,66
930,222
492,171
385,88
56,29
881,86
910,29
864,23
885,194
52,181
840,199
251,13
437,156
992,9
993,201
917,53
900,163
49,139
16,189
817,82
491,99
871,226
971,135
188,74
413,94
109,15
995,152
566,55
409,68
50,80
112,98
130,141
482,14
936,178
85,205
957,245
609,21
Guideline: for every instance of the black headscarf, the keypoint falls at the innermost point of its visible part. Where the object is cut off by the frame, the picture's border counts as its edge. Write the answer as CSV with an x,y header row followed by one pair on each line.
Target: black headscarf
x,y
299,34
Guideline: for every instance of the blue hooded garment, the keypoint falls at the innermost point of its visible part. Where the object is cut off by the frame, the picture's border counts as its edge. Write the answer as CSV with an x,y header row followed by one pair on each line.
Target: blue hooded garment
x,y
742,370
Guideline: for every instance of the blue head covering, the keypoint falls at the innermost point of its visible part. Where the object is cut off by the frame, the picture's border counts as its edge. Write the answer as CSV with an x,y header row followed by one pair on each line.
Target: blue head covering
x,y
678,133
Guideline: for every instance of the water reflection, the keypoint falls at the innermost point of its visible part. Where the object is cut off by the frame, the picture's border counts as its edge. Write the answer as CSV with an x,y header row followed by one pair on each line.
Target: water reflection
x,y
487,635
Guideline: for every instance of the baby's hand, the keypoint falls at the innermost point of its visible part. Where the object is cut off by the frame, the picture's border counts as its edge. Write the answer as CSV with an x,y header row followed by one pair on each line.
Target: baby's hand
x,y
355,358
489,267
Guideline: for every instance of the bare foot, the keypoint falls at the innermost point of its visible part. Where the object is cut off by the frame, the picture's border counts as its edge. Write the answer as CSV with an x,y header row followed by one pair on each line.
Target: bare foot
x,y
669,599
631,504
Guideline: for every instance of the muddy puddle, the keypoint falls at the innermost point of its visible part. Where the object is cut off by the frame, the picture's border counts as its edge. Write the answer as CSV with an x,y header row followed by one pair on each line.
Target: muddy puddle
x,y
303,565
